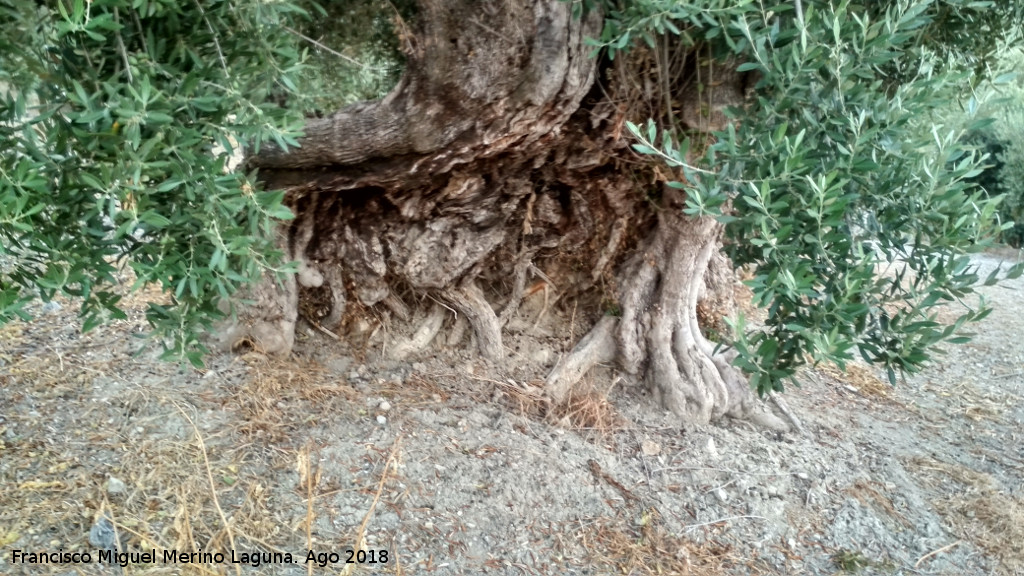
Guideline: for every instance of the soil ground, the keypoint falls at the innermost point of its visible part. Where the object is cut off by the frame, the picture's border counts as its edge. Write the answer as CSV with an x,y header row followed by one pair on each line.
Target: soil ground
x,y
447,465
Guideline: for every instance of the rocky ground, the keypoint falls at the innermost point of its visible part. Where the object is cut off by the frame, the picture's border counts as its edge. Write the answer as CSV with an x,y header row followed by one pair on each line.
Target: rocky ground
x,y
444,465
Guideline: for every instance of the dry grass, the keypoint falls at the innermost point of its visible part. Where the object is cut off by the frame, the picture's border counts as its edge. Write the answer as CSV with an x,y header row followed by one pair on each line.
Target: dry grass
x,y
588,409
979,511
967,399
201,463
868,494
416,391
645,547
860,378
282,396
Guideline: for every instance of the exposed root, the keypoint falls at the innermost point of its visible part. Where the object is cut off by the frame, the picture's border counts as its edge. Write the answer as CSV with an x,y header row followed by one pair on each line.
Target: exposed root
x,y
458,331
546,287
658,333
784,408
523,265
335,281
634,302
397,307
611,249
267,322
469,300
423,336
596,347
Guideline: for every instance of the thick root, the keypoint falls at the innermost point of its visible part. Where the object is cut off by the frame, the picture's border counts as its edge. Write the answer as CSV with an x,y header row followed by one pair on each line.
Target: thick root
x,y
336,282
469,300
658,336
596,347
268,324
423,336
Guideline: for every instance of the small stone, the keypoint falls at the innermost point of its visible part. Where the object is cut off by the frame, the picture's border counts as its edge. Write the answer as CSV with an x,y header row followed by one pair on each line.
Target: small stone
x,y
713,450
722,495
101,535
51,307
802,475
115,486
384,405
381,419
542,356
650,448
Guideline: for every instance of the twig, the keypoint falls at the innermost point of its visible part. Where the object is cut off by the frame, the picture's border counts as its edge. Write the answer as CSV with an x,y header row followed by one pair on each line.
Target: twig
x,y
543,309
306,469
722,470
360,543
216,42
935,552
122,49
209,478
326,48
720,520
320,328
781,405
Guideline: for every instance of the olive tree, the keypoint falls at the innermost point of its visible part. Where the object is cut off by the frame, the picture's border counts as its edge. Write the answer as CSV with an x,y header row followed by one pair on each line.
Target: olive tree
x,y
630,154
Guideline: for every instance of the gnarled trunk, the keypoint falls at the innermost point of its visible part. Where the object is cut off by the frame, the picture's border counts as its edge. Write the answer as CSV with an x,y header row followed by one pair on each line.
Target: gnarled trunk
x,y
495,161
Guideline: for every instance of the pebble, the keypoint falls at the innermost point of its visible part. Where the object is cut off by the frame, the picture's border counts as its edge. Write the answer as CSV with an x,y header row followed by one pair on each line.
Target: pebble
x,y
115,486
713,450
650,448
542,356
101,535
382,419
384,405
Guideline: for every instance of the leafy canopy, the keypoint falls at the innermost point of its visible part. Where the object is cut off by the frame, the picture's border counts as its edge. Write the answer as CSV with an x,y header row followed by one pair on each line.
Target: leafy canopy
x,y
839,186
117,120
1004,142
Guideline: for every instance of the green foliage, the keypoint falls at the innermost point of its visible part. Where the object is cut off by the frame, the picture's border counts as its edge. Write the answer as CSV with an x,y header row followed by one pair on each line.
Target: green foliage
x,y
1010,179
1004,140
355,51
855,209
112,113
999,179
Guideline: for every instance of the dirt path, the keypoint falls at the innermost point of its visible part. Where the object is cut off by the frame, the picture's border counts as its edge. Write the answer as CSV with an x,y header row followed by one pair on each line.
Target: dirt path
x,y
446,467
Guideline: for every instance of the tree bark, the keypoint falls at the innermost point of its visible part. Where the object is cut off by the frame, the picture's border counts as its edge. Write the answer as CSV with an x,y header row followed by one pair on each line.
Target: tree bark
x,y
496,160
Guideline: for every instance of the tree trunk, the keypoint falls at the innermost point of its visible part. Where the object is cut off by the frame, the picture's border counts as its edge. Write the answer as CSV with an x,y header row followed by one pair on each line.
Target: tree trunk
x,y
494,161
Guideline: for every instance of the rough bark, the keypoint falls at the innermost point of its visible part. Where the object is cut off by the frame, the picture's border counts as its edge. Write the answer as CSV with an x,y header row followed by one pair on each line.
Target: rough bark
x,y
493,163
